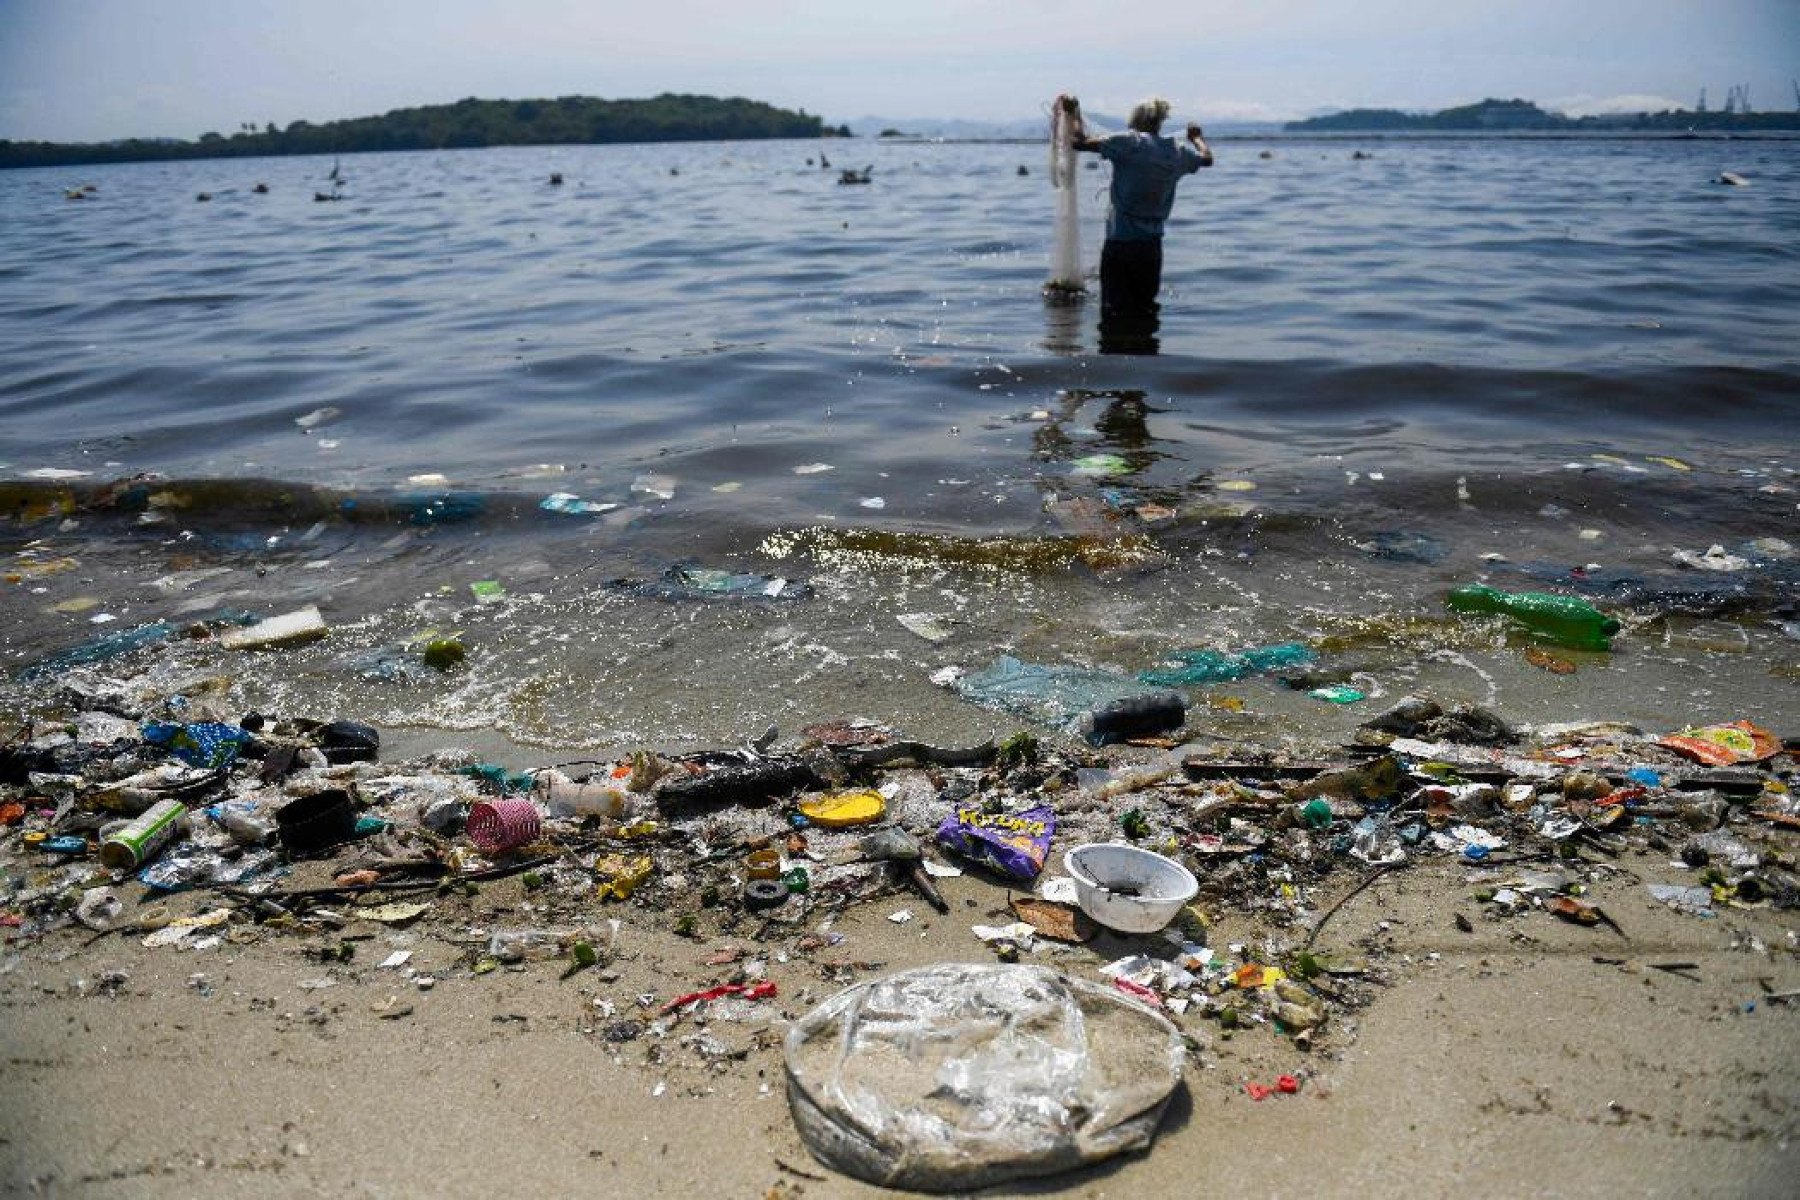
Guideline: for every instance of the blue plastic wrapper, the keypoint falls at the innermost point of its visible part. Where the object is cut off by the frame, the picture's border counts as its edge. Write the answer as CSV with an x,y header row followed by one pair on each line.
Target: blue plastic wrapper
x,y
1010,844
210,744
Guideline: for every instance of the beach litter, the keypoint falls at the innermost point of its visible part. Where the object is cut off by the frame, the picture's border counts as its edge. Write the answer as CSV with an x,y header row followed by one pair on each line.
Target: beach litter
x,y
260,828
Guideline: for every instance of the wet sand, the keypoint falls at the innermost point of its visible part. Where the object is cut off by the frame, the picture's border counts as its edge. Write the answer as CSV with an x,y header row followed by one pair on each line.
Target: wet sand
x,y
1506,1061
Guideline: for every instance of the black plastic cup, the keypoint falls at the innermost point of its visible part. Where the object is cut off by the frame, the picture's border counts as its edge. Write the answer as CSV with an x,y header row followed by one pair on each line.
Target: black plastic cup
x,y
316,822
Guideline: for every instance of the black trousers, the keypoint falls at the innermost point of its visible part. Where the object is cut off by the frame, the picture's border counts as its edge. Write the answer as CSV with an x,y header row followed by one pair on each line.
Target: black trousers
x,y
1130,276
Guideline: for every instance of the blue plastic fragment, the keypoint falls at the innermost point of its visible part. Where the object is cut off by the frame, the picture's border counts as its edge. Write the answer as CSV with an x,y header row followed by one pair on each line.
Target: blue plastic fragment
x,y
209,744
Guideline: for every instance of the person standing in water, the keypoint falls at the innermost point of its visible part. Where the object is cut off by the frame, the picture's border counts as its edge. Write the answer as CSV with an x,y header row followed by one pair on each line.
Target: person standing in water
x,y
1146,168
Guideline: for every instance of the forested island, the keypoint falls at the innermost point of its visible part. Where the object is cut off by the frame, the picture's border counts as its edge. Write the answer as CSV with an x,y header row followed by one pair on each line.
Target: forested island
x,y
1515,116
465,124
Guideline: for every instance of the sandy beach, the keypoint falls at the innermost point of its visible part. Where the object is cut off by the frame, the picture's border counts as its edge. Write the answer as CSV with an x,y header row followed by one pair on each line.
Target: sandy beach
x,y
1466,1052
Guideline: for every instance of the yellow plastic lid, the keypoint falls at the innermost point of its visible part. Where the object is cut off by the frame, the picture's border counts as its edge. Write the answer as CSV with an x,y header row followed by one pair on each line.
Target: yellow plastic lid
x,y
837,809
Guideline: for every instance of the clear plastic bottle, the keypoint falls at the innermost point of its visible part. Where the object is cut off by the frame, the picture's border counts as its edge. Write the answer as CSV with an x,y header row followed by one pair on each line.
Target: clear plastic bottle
x,y
592,798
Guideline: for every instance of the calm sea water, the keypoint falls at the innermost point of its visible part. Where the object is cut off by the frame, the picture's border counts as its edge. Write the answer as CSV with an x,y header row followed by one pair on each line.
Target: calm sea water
x,y
1574,355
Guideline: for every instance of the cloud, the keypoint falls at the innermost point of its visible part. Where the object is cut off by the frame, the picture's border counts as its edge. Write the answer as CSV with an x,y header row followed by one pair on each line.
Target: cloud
x,y
1219,109
1587,105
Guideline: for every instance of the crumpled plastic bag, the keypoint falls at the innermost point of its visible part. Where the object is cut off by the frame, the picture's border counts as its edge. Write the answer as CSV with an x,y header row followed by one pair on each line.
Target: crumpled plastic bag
x,y
961,1075
1054,695
1012,844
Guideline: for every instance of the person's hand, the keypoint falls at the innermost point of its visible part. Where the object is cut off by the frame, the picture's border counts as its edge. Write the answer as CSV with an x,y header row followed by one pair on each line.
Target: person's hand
x,y
1194,133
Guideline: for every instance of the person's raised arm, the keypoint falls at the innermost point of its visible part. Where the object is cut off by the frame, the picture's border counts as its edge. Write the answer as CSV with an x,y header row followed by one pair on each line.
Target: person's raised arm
x,y
1198,142
1079,135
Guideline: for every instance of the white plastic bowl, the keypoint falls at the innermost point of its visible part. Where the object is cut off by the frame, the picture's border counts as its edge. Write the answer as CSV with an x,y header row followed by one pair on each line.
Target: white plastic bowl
x,y
1127,889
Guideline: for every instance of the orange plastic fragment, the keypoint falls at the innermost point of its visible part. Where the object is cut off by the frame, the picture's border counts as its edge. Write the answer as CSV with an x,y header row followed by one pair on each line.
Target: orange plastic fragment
x,y
1724,745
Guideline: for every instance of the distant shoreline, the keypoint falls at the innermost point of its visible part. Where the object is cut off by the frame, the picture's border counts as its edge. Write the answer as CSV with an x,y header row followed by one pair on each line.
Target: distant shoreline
x,y
466,125
1523,116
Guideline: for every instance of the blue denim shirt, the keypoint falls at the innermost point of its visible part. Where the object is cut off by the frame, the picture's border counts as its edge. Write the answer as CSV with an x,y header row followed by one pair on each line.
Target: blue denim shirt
x,y
1145,171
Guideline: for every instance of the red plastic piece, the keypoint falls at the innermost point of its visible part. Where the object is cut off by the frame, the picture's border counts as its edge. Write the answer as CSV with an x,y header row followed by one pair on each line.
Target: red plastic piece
x,y
1259,1091
1287,1085
1138,991
749,991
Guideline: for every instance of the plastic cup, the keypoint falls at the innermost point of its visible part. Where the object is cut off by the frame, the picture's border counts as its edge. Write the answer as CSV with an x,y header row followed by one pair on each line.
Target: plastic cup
x,y
503,824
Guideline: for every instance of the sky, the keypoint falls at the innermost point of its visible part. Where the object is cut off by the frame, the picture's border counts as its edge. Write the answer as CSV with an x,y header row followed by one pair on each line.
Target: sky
x,y
93,70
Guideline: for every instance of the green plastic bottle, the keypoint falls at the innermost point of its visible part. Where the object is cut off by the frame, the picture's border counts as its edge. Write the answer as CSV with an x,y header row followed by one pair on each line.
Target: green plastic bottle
x,y
1565,620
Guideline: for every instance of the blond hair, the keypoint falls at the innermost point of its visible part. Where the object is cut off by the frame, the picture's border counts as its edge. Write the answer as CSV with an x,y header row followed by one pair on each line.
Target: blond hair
x,y
1150,114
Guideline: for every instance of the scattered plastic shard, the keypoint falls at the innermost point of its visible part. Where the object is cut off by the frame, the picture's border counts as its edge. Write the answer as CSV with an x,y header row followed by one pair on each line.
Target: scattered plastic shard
x,y
1694,901
318,417
1707,637
957,1076
711,582
1102,465
100,909
1404,546
573,505
660,486
1336,693
289,629
1713,558
1375,843
397,913
926,625
1018,933
813,468
487,591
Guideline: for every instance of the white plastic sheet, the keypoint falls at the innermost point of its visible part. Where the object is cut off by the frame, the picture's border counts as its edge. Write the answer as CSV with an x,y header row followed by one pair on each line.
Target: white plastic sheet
x,y
960,1075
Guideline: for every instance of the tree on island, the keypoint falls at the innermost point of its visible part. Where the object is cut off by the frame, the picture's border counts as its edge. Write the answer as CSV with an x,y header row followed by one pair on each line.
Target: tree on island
x,y
470,123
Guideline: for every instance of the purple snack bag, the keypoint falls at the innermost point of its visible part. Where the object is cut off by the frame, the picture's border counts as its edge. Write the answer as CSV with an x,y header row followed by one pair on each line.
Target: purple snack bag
x,y
1013,844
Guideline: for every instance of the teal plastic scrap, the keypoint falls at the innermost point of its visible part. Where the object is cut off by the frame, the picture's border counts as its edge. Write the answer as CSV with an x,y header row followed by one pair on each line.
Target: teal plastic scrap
x,y
1221,666
499,778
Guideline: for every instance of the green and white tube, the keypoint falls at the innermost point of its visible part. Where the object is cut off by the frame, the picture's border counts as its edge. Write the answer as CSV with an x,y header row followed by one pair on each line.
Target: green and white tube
x,y
137,843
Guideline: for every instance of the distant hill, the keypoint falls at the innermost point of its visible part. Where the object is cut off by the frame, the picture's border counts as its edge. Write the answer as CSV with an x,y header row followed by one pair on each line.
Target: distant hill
x,y
467,123
1522,115
956,129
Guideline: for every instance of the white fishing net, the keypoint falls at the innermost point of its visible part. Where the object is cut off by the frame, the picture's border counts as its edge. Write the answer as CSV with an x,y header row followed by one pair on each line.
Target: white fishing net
x,y
1067,123
1065,249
